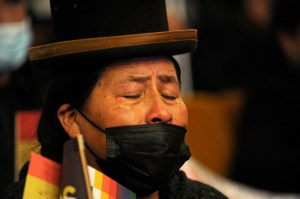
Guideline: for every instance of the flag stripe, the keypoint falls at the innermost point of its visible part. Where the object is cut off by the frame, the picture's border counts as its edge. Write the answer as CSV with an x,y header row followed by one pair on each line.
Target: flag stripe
x,y
37,188
44,169
108,188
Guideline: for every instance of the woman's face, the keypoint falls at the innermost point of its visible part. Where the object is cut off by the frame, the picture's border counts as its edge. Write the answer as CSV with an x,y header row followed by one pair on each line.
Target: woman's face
x,y
133,92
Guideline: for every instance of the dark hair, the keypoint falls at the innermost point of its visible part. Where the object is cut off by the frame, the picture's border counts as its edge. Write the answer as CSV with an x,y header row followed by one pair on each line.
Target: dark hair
x,y
177,68
73,87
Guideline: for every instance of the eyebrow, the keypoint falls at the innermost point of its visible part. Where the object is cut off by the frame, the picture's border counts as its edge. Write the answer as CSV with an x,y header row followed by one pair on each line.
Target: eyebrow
x,y
139,79
142,79
168,79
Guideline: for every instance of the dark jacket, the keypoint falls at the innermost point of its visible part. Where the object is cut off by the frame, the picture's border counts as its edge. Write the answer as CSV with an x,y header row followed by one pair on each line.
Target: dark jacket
x,y
180,187
267,153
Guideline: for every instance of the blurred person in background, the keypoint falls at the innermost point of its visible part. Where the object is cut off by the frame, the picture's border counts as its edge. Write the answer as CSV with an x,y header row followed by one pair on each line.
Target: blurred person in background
x,y
267,153
232,37
255,50
19,83
15,36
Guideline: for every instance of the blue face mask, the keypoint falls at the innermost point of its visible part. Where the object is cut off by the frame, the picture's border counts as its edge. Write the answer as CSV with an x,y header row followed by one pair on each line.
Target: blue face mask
x,y
15,38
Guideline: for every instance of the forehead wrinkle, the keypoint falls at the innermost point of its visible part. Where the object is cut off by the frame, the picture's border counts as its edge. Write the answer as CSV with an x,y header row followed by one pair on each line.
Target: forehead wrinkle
x,y
134,78
138,78
126,82
137,75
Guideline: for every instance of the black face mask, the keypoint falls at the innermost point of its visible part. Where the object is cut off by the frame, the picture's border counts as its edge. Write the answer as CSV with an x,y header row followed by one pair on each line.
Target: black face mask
x,y
143,158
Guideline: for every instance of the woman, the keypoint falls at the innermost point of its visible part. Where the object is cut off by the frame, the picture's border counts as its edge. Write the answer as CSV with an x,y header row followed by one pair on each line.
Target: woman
x,y
122,93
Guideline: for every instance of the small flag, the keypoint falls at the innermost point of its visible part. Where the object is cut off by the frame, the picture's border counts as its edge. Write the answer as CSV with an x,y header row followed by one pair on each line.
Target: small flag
x,y
26,122
104,187
75,181
85,182
43,178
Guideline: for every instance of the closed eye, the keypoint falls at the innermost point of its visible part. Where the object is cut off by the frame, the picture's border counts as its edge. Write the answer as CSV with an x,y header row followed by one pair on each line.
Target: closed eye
x,y
131,96
169,97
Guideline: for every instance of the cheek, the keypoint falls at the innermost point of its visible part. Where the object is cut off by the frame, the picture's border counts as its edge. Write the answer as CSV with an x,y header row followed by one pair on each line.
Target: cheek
x,y
180,115
116,114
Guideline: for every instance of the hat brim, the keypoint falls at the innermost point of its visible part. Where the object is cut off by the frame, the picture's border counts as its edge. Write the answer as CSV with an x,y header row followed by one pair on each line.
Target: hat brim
x,y
102,49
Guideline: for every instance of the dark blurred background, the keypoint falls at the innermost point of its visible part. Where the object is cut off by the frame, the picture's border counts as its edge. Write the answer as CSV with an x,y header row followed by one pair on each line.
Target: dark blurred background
x,y
22,24
253,48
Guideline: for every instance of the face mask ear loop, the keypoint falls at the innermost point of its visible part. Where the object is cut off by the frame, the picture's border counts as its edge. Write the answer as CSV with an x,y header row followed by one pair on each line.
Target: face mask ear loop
x,y
90,121
97,127
91,151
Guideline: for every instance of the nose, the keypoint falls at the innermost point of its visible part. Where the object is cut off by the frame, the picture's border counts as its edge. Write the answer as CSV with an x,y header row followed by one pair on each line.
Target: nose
x,y
158,112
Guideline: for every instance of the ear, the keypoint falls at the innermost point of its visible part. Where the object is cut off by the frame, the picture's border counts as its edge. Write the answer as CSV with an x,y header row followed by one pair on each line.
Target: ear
x,y
67,116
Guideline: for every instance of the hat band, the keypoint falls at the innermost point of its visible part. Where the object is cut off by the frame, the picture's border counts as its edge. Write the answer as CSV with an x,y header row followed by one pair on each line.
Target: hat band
x,y
100,43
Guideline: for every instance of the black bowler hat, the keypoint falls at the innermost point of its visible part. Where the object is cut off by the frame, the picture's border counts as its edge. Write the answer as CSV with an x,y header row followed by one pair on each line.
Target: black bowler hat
x,y
89,31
